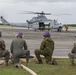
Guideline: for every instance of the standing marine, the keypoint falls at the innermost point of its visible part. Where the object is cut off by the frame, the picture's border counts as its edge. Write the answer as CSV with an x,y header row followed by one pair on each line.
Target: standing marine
x,y
72,55
19,49
46,49
3,52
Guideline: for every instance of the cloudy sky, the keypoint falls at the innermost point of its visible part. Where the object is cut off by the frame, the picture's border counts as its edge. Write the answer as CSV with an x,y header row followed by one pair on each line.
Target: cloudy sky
x,y
11,9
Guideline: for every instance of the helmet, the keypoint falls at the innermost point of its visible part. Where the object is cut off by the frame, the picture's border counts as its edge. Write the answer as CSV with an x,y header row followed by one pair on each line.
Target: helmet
x,y
19,34
47,34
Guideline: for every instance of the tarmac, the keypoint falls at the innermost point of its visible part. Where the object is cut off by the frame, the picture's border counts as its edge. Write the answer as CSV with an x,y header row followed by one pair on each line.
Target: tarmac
x,y
63,40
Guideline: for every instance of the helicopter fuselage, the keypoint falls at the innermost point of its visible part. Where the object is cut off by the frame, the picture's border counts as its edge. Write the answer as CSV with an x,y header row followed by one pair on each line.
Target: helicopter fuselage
x,y
41,22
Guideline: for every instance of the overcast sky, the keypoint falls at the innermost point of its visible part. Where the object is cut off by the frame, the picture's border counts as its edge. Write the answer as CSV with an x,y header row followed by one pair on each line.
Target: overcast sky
x,y
11,9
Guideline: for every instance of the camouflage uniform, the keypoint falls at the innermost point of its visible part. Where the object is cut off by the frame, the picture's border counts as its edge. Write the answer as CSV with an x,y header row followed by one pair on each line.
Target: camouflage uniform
x,y
72,55
18,49
66,27
46,49
3,52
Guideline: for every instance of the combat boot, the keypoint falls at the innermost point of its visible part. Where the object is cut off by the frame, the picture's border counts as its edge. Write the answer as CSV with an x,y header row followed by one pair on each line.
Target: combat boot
x,y
39,62
54,62
6,63
73,64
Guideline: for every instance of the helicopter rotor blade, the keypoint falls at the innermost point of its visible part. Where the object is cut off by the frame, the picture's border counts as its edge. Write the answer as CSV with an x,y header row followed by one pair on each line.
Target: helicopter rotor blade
x,y
26,12
60,14
29,12
66,14
41,13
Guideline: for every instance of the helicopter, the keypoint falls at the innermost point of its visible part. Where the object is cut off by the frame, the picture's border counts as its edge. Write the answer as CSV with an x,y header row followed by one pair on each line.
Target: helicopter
x,y
40,22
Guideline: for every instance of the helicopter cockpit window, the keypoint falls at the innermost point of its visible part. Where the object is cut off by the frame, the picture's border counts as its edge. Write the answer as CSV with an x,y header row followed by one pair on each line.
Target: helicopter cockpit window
x,y
34,18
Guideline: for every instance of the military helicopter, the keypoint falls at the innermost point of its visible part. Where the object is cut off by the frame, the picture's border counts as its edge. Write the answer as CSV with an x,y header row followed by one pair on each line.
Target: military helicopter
x,y
40,22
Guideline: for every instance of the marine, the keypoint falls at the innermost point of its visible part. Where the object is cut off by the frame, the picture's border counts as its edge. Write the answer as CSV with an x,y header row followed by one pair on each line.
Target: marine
x,y
72,55
18,48
3,52
46,49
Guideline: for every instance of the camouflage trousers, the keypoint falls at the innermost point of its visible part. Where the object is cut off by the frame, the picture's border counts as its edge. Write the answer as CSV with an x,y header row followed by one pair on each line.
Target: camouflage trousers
x,y
47,54
72,56
6,55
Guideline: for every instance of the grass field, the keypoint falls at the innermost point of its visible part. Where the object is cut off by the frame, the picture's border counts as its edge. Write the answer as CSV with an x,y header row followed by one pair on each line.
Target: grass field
x,y
5,26
63,68
11,70
72,27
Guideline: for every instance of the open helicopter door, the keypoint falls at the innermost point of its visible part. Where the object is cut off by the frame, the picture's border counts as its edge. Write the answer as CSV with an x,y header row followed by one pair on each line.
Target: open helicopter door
x,y
41,26
44,26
